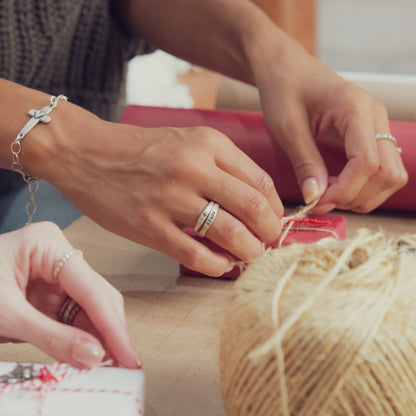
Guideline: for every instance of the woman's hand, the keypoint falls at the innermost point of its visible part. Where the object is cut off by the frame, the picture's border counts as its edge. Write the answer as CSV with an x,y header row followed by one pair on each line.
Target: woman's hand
x,y
148,184
303,99
32,299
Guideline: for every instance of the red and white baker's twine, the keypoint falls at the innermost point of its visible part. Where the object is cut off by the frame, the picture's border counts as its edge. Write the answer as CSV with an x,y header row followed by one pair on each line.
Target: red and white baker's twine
x,y
48,381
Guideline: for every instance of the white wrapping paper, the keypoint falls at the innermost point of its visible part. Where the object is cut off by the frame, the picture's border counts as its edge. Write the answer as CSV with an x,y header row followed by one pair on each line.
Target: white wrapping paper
x,y
66,391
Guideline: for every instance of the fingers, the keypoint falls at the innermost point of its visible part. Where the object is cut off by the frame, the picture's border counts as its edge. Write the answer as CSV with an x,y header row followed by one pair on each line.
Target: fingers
x,y
238,165
294,135
45,247
246,204
171,240
104,306
363,162
249,214
244,190
244,221
62,342
374,170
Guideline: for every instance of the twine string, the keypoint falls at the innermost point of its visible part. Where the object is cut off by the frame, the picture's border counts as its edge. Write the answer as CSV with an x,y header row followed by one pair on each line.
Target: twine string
x,y
324,328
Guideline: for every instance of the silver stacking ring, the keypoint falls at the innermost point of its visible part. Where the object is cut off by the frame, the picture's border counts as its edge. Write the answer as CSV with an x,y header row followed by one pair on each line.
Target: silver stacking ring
x,y
391,138
68,311
206,219
61,262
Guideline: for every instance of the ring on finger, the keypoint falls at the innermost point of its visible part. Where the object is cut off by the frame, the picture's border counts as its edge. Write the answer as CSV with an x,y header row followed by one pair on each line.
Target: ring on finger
x,y
206,218
390,137
61,262
68,311
204,215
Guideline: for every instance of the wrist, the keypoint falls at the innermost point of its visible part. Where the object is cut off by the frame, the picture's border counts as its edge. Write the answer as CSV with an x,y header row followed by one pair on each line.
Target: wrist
x,y
49,150
270,52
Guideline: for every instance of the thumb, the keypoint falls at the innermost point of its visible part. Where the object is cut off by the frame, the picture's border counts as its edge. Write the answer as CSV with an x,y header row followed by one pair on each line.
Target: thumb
x,y
62,342
297,141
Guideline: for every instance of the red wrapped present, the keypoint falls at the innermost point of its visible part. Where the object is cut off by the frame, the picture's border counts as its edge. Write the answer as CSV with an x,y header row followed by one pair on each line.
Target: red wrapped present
x,y
300,230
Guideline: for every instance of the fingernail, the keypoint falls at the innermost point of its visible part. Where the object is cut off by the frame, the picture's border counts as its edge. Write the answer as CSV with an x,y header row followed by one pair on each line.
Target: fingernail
x,y
310,190
230,267
88,354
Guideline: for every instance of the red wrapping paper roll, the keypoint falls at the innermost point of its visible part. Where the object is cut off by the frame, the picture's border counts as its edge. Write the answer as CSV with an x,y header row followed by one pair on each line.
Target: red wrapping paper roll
x,y
249,132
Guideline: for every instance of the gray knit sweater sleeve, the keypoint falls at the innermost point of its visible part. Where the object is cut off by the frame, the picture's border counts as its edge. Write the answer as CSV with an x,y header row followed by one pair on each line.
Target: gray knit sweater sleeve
x,y
73,47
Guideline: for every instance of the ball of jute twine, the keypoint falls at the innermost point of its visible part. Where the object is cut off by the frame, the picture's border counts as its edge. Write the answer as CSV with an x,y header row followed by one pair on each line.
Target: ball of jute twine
x,y
324,329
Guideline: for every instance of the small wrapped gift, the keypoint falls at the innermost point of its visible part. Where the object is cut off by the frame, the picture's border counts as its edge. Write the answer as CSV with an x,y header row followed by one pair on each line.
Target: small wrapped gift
x,y
59,389
300,230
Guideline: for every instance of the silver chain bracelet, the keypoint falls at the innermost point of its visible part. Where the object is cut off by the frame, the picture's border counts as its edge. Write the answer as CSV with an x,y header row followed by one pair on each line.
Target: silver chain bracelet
x,y
16,147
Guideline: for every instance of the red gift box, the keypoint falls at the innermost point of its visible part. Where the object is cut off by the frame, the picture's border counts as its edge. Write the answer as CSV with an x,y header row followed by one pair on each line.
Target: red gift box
x,y
302,230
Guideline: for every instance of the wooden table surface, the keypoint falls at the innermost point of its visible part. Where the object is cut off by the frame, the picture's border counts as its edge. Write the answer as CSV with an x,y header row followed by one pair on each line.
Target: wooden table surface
x,y
174,321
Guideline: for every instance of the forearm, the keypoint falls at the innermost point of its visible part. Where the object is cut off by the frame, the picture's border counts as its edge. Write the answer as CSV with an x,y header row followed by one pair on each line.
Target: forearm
x,y
228,36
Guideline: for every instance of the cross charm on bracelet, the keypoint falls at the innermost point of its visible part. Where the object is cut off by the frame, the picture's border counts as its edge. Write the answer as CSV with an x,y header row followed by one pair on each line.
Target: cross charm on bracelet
x,y
37,116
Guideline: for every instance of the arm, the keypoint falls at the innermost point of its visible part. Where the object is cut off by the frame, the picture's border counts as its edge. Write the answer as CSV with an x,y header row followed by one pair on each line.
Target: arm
x,y
147,184
300,96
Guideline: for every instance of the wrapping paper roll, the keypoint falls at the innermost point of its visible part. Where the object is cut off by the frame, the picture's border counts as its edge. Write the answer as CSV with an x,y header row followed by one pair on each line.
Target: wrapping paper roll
x,y
247,129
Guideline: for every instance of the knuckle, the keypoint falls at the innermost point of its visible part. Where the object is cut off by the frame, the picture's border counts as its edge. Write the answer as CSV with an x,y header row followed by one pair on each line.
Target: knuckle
x,y
345,199
233,232
358,104
207,137
194,258
303,165
257,205
47,228
149,223
395,177
256,252
359,99
265,184
203,133
178,165
183,165
370,164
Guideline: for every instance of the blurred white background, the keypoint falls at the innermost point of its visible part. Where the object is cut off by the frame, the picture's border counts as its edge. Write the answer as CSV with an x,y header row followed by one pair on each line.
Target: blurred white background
x,y
368,35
